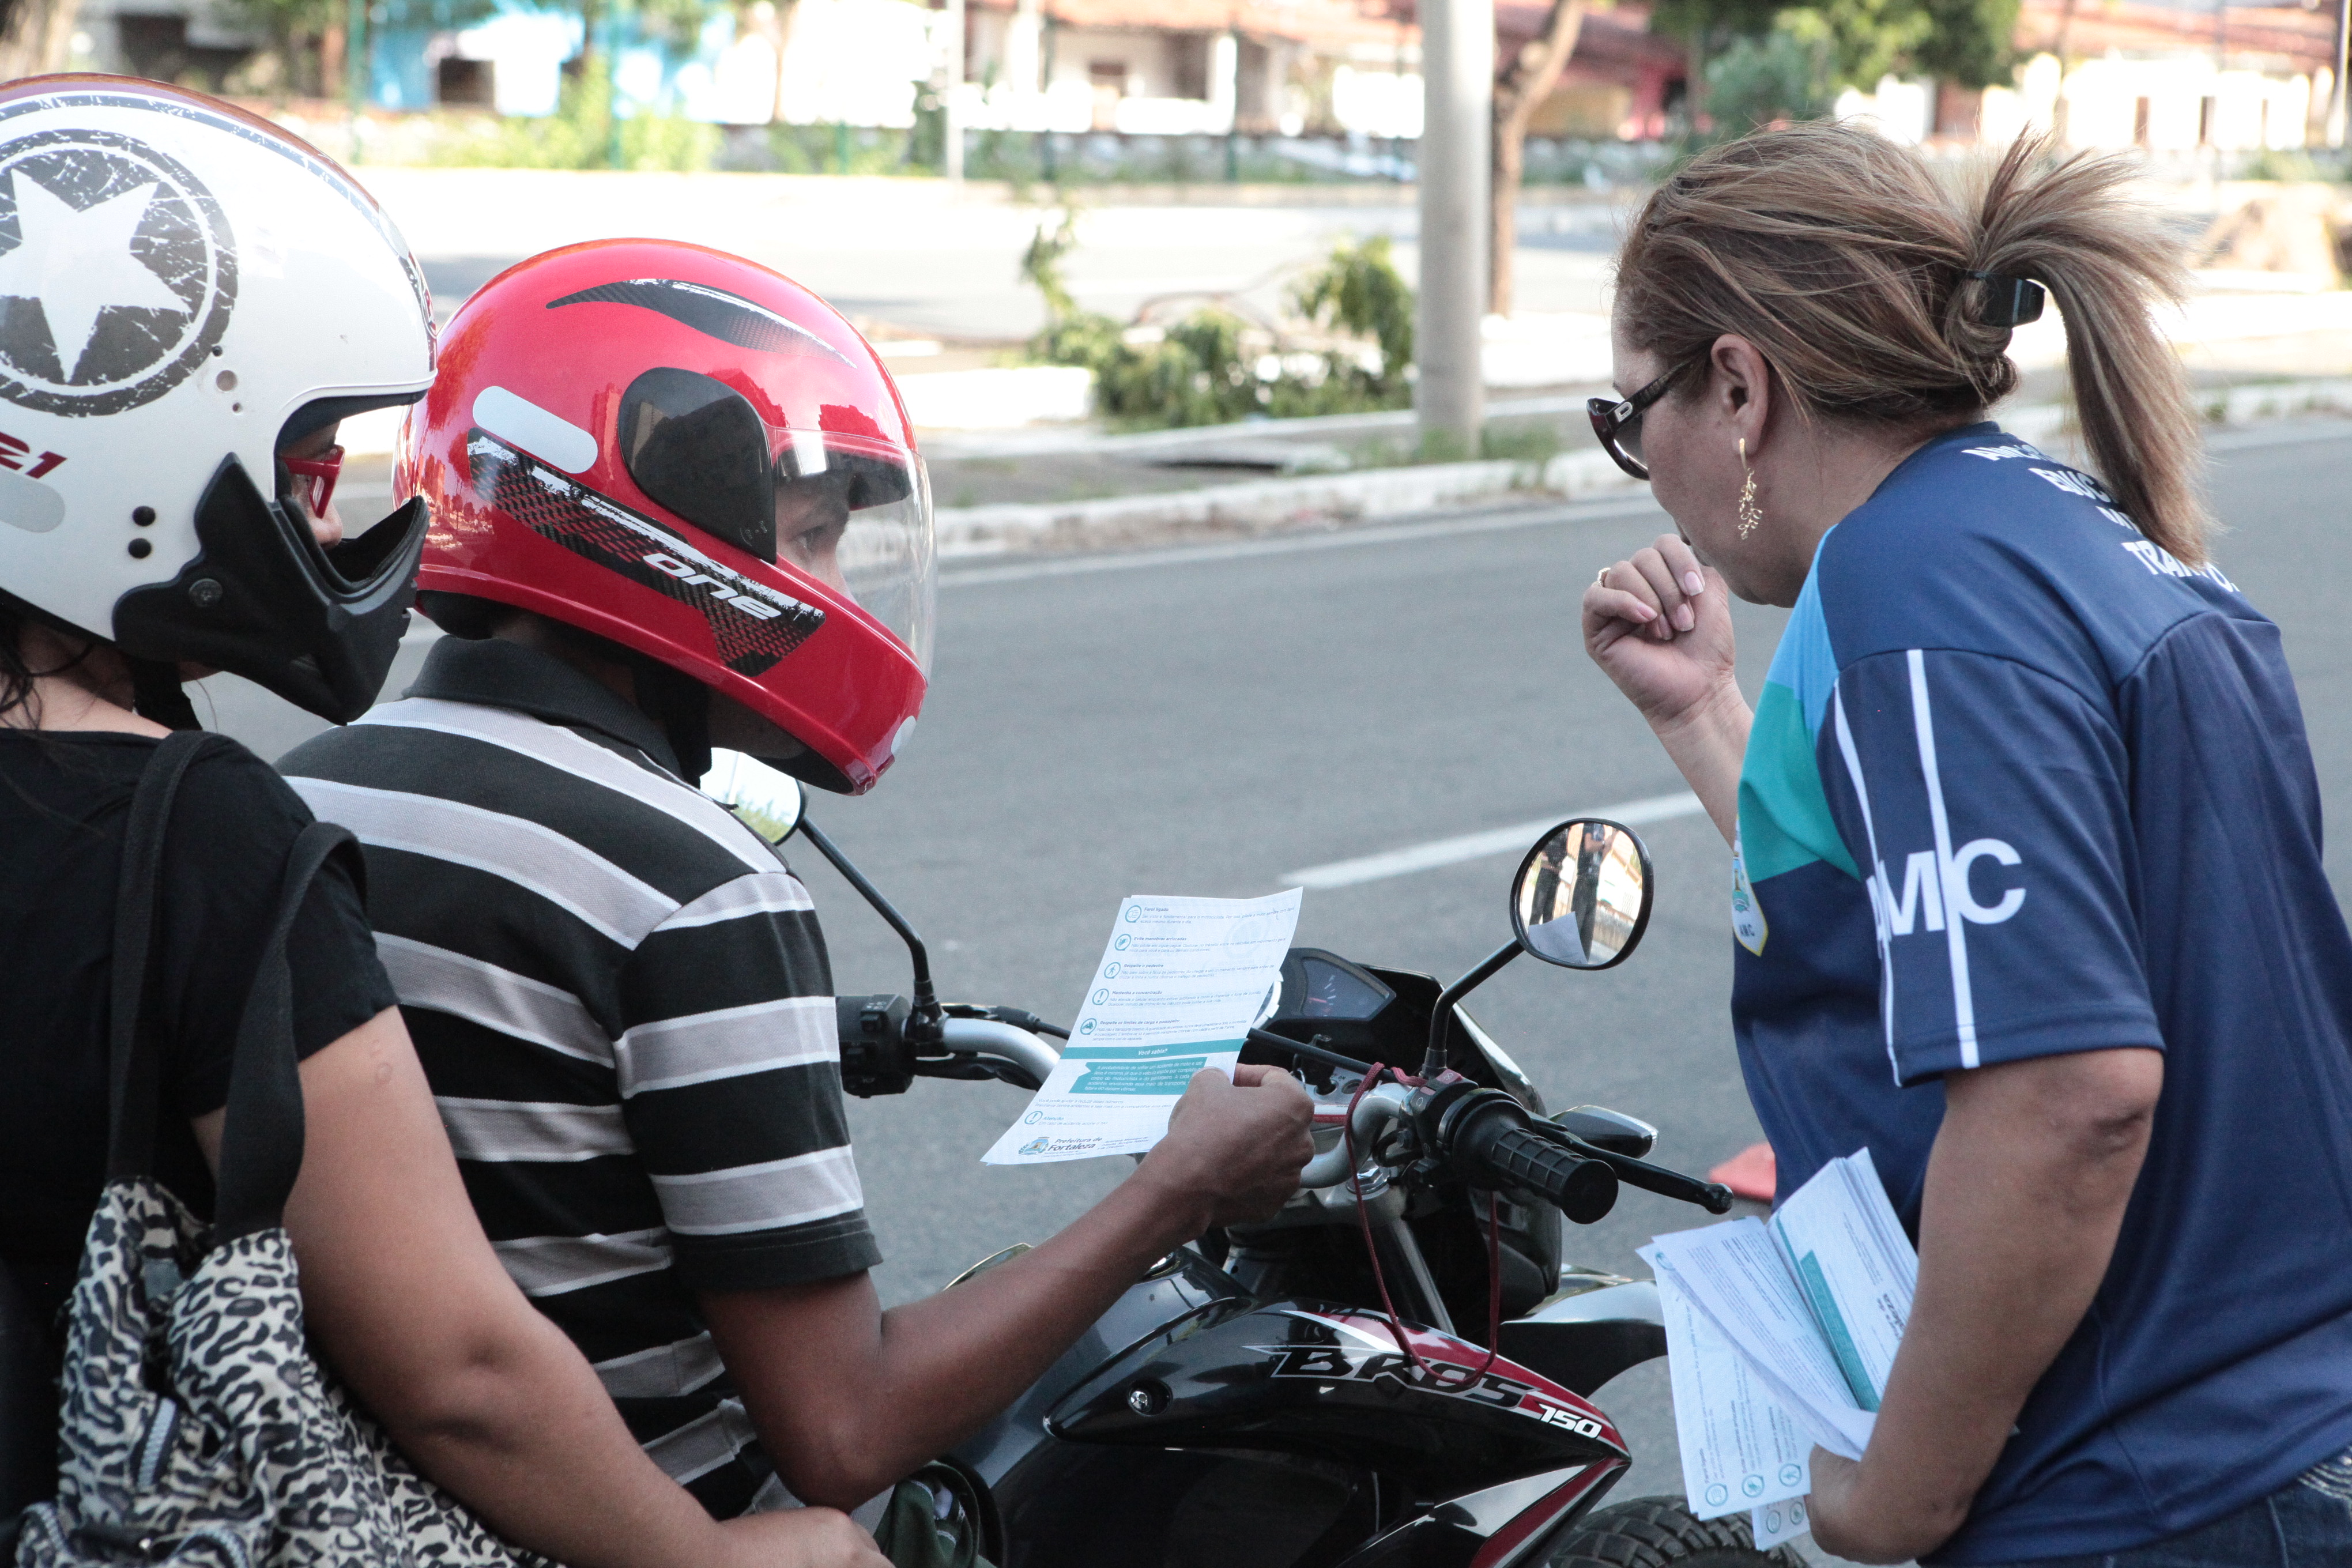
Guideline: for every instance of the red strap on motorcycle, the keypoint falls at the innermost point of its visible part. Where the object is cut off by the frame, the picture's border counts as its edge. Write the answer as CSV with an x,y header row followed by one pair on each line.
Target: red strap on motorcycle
x,y
1364,1220
1494,1283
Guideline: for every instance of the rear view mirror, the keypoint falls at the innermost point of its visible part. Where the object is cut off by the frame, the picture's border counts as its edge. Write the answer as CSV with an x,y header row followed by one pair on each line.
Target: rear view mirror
x,y
767,798
1582,896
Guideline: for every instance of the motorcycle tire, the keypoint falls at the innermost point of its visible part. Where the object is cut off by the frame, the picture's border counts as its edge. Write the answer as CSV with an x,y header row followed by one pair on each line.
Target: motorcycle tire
x,y
1659,1532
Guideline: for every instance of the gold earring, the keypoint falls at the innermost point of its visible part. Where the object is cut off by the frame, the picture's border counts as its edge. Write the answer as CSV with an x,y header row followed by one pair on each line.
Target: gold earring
x,y
1750,514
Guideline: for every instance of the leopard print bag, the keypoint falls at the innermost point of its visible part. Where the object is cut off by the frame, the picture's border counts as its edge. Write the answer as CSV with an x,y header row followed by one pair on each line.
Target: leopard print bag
x,y
197,1430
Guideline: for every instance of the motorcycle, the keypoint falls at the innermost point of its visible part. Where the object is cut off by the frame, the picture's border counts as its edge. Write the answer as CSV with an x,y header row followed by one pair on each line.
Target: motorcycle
x,y
1395,1369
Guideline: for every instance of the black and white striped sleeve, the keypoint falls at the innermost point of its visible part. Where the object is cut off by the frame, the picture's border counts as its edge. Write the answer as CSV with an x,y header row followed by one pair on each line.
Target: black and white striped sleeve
x,y
731,1081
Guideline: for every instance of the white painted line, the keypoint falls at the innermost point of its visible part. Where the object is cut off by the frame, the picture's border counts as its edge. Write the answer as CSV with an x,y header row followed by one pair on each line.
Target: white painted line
x,y
1292,543
1478,846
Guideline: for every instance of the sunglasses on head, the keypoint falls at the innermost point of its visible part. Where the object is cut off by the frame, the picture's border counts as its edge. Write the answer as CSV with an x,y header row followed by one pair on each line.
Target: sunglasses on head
x,y
313,478
1619,423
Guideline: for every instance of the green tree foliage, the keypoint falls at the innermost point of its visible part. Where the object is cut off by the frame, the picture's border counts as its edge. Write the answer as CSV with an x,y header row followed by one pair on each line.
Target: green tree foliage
x,y
1214,367
1041,264
1787,62
295,26
293,29
1972,43
579,135
1707,28
1783,76
1867,38
1360,291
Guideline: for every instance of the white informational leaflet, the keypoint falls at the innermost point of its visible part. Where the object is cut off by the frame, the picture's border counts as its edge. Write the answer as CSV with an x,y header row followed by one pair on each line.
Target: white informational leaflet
x,y
1813,1301
1181,982
1737,1275
1740,1449
1777,1522
1855,1266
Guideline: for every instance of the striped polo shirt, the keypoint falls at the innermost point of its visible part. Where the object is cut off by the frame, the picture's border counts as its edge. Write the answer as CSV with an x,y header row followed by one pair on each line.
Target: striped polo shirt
x,y
621,1000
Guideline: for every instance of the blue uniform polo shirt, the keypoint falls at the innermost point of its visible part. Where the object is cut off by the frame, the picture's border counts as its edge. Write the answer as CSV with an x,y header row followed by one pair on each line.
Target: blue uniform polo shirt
x,y
2023,784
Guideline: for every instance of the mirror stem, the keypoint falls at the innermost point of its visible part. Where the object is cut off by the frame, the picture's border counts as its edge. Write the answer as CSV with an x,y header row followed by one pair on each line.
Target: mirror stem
x,y
1441,1019
926,1006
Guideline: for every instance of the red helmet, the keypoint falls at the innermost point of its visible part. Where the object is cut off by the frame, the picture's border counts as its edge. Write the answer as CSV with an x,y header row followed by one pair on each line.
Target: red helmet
x,y
693,456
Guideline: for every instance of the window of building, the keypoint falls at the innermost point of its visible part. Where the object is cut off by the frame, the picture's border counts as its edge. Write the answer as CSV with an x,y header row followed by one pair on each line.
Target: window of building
x,y
1188,61
463,83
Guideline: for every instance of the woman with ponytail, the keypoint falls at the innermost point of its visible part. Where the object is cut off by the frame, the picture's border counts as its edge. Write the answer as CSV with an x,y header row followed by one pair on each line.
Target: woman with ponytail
x,y
2025,836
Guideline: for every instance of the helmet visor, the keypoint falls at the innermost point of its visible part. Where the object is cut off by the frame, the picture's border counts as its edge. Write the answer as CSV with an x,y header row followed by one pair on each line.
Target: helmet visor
x,y
855,515
852,513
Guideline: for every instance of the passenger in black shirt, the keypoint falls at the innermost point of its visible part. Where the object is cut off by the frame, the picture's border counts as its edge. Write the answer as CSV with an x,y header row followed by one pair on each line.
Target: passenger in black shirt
x,y
403,1297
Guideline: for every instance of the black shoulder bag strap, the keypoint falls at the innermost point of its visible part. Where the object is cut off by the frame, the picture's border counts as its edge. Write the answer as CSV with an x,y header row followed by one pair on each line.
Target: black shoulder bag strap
x,y
261,1143
134,1053
261,1140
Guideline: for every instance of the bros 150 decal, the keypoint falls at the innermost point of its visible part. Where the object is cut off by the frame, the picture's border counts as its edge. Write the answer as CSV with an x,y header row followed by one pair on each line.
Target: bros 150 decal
x,y
1333,1363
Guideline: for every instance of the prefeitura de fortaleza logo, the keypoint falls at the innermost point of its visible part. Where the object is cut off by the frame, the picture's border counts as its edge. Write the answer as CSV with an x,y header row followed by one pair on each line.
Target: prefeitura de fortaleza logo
x,y
117,272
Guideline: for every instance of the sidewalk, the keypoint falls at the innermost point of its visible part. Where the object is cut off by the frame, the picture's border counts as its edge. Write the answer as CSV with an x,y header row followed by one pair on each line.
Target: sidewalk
x,y
1169,514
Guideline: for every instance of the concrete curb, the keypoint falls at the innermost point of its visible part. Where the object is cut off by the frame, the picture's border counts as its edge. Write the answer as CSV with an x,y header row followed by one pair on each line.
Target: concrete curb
x,y
1260,506
1254,507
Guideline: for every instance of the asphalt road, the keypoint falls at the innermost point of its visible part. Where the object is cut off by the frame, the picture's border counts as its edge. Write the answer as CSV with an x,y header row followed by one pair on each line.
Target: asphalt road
x,y
1203,721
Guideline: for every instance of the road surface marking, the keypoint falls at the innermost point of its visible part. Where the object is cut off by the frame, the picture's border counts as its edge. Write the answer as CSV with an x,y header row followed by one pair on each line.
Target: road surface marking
x,y
1478,846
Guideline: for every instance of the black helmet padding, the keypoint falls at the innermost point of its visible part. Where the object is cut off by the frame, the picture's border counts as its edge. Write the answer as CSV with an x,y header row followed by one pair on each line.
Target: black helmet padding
x,y
261,599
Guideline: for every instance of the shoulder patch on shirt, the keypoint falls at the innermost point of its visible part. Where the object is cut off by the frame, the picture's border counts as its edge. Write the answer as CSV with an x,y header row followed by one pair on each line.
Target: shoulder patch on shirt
x,y
1746,915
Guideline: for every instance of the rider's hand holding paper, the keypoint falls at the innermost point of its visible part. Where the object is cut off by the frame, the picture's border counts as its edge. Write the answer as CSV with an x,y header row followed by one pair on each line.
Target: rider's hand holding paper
x,y
1179,985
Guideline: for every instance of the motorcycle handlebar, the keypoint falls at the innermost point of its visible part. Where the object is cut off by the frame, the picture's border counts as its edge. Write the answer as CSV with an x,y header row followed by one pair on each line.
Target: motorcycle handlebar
x,y
1584,1190
988,1037
1490,1139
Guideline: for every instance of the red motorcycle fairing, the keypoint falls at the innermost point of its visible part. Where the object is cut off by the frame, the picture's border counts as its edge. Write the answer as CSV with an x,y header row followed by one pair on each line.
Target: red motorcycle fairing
x,y
1331,1382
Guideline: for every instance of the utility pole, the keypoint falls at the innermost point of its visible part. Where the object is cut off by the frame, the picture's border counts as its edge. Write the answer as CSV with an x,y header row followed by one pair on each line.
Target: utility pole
x,y
1457,73
355,67
1233,86
950,102
2337,98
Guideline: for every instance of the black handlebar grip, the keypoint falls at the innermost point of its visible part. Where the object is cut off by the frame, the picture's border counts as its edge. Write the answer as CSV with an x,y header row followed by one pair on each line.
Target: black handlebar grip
x,y
1584,1190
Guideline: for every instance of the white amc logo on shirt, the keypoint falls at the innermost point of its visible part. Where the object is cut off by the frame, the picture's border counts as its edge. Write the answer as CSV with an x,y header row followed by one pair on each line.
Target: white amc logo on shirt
x,y
1935,893
1935,881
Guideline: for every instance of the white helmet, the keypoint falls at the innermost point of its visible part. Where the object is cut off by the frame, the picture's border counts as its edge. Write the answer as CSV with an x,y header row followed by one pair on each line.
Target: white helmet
x,y
184,285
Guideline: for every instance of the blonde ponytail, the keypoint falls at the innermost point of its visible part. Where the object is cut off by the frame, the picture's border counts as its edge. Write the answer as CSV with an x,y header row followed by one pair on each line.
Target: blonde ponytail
x,y
1838,253
2108,262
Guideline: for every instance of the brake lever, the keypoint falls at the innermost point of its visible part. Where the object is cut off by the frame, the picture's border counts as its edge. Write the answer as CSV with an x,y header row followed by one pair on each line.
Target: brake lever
x,y
965,1067
1018,1017
1712,1196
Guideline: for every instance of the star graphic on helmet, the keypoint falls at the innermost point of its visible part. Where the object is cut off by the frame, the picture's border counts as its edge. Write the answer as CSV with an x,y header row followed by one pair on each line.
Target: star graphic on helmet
x,y
76,265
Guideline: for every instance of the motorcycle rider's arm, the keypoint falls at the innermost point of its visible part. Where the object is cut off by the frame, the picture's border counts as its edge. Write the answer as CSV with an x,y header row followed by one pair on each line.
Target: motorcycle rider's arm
x,y
2026,1190
1659,626
848,1398
487,1396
